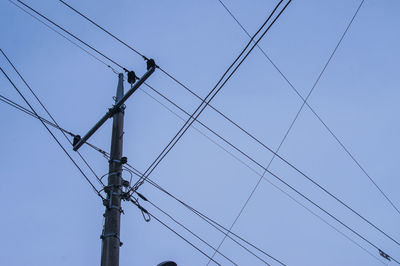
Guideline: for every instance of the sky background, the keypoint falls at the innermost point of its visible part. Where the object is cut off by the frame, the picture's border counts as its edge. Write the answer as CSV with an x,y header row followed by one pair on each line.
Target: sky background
x,y
50,213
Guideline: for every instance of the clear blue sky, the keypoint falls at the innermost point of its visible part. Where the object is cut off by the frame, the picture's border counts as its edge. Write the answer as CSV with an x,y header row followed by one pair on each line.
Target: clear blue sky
x,y
50,216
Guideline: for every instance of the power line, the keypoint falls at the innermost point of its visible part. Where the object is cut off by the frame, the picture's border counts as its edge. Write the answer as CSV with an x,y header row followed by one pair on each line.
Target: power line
x,y
140,181
292,188
65,37
72,35
8,101
172,230
23,109
267,170
304,102
212,222
161,189
211,94
192,121
252,169
183,226
97,25
136,172
103,29
242,129
194,127
54,137
52,118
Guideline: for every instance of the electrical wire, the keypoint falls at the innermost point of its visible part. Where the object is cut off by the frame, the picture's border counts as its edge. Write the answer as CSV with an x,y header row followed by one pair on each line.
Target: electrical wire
x,y
54,137
139,174
136,172
213,222
304,102
65,37
193,93
48,113
103,29
172,230
194,127
183,226
151,182
211,94
23,109
140,181
267,170
96,50
72,35
219,227
295,169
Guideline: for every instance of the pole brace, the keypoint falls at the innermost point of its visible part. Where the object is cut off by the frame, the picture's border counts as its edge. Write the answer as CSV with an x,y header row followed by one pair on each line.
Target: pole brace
x,y
151,66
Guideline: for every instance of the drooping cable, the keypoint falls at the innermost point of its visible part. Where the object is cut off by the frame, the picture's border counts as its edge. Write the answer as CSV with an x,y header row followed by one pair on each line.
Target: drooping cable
x,y
54,137
172,230
183,226
219,227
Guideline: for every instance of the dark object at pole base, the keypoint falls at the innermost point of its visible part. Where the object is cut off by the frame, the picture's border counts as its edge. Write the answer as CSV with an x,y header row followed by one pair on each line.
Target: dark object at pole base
x,y
167,263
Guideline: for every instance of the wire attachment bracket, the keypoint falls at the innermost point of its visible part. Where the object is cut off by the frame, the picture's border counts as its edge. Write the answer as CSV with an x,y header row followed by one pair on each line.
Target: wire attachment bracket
x,y
150,70
384,255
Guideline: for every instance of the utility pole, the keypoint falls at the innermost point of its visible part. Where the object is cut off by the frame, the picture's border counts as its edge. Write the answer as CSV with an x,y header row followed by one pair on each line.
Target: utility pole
x,y
111,231
112,215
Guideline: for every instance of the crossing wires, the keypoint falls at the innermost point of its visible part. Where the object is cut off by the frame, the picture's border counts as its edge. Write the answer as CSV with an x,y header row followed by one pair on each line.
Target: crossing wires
x,y
52,134
206,104
220,84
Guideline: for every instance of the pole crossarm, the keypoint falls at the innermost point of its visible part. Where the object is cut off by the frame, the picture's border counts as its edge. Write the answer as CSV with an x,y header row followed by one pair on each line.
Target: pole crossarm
x,y
78,141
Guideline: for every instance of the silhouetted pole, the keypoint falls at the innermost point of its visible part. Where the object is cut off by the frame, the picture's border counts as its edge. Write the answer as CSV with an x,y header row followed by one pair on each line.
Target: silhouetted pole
x,y
110,237
111,230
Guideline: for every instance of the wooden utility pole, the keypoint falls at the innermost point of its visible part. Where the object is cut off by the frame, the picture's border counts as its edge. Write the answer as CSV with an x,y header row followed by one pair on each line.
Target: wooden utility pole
x,y
112,215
